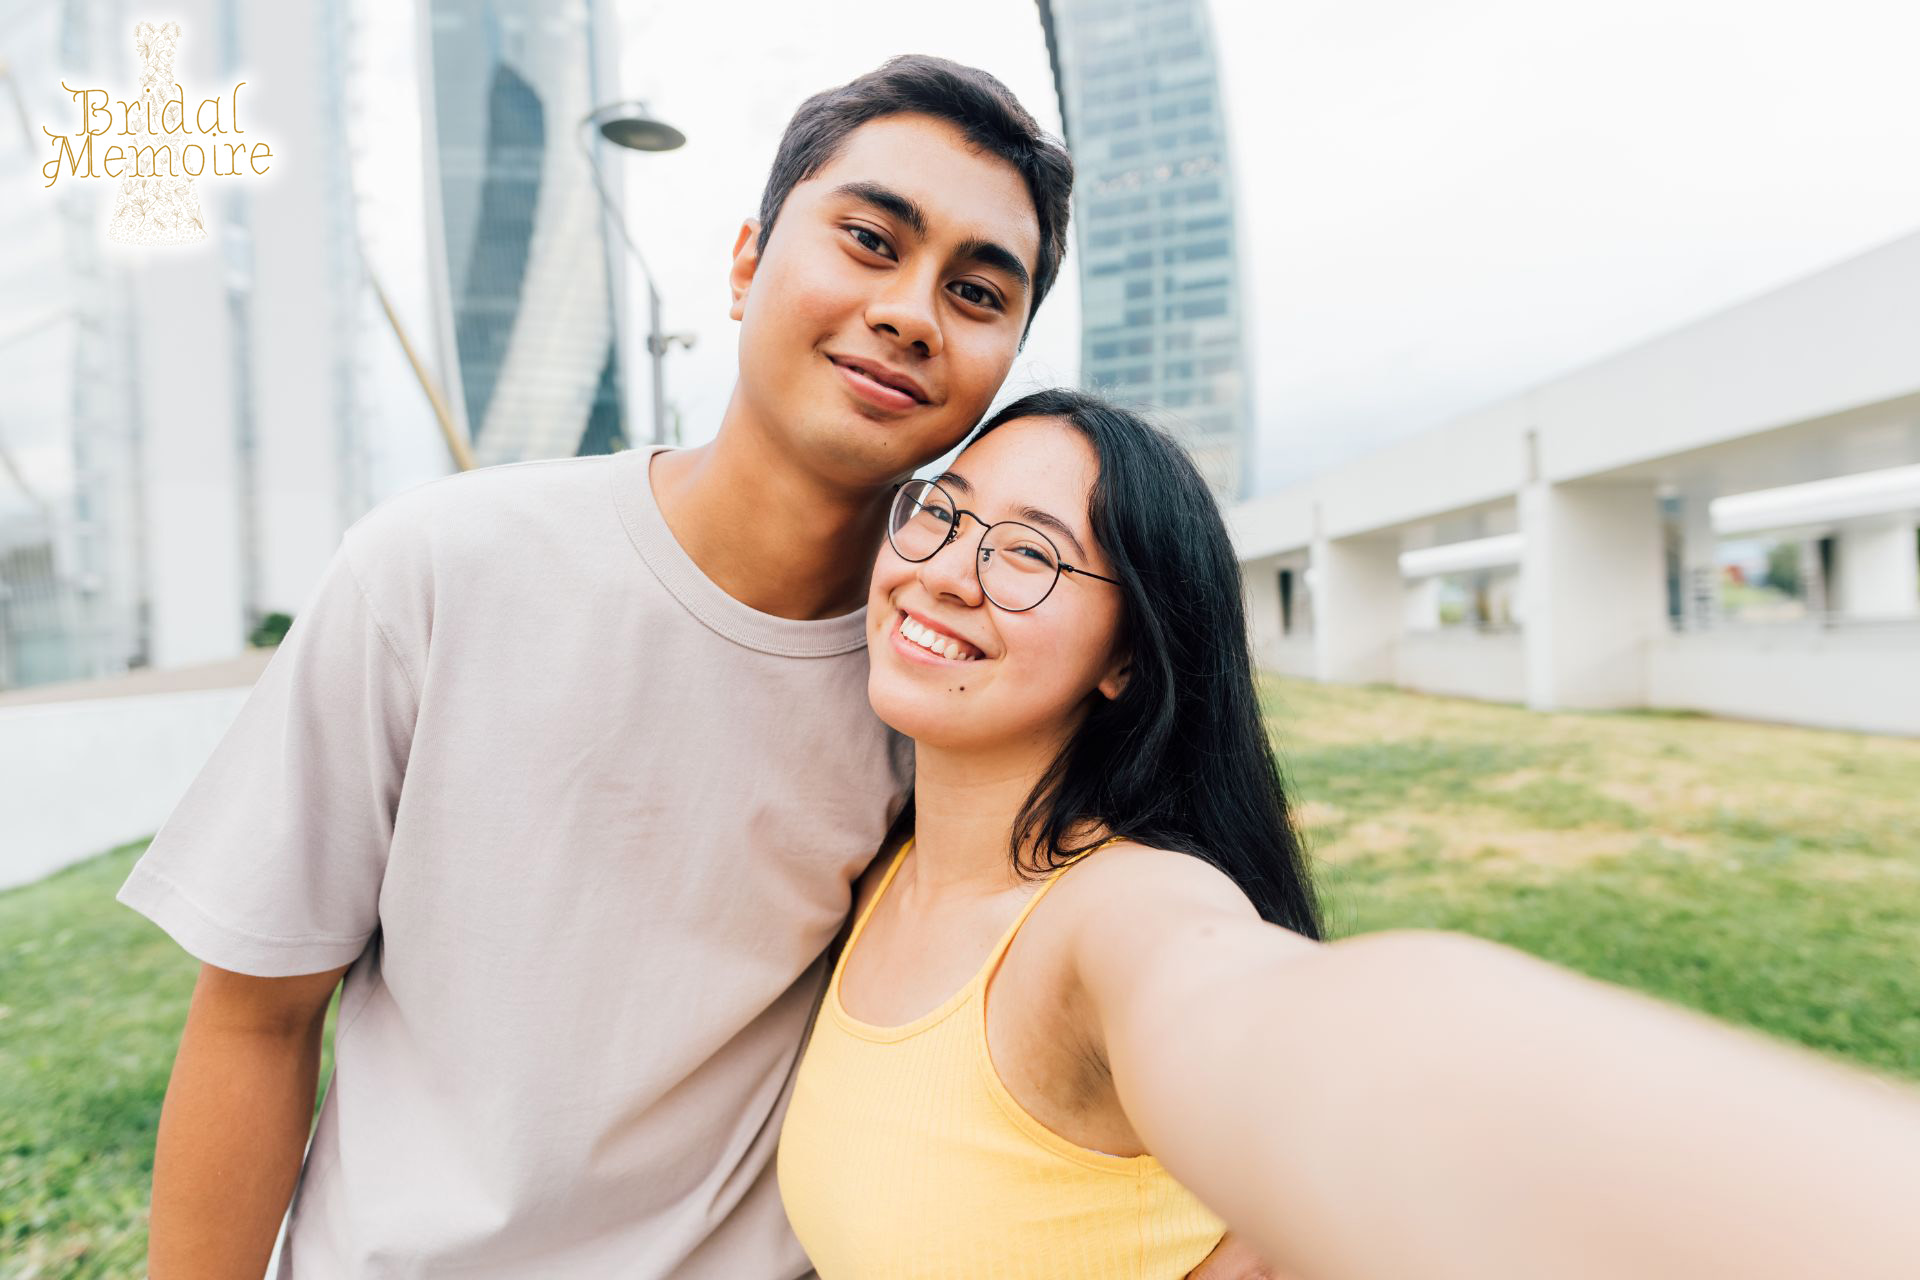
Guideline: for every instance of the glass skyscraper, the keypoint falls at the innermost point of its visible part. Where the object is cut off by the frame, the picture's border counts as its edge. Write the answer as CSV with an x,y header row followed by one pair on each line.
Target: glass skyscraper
x,y
529,304
1162,314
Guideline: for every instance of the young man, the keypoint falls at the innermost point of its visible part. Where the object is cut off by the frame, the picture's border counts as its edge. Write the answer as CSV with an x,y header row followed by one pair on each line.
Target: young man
x,y
566,767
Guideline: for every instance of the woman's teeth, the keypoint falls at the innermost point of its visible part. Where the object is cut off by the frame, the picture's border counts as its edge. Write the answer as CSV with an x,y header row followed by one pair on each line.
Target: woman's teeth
x,y
934,642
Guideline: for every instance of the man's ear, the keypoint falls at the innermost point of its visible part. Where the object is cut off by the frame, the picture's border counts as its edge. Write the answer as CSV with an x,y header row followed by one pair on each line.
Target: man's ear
x,y
746,259
1115,681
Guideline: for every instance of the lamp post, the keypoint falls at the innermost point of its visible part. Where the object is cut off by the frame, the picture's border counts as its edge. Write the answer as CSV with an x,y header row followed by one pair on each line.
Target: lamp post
x,y
631,125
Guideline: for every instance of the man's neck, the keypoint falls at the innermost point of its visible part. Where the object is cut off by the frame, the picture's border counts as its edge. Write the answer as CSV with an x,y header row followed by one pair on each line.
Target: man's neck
x,y
766,532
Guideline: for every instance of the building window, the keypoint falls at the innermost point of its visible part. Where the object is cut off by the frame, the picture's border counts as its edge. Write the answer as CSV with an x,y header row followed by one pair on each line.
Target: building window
x,y
1195,252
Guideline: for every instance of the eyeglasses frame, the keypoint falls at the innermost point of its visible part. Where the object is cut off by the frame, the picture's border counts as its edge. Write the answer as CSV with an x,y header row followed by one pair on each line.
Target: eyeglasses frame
x,y
1061,567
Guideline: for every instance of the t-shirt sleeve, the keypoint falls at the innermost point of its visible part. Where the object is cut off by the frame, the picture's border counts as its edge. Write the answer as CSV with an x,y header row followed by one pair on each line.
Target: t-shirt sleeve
x,y
272,862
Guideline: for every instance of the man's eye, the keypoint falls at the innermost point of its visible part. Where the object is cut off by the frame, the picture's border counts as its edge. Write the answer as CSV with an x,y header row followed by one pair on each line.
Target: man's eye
x,y
877,245
985,298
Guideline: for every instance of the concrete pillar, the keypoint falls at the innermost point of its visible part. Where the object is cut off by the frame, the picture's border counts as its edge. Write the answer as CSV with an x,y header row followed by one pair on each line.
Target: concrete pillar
x,y
1815,588
1359,605
1592,581
1879,569
306,481
1423,605
192,476
187,393
1260,587
1699,563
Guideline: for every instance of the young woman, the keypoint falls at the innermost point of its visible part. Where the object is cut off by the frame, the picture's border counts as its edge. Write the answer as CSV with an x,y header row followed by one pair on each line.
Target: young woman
x,y
1094,947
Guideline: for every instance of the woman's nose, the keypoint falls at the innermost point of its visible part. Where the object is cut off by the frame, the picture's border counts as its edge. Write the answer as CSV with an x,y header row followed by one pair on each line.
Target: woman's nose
x,y
952,571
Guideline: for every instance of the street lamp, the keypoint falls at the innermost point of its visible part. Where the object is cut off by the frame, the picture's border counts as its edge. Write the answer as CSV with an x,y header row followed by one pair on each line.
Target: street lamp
x,y
631,125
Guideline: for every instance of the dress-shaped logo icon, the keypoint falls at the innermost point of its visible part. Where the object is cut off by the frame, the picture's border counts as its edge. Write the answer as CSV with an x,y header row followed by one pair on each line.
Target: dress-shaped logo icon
x,y
153,209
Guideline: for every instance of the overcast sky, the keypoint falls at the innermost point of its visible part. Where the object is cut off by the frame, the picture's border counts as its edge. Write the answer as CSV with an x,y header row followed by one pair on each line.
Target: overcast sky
x,y
1441,201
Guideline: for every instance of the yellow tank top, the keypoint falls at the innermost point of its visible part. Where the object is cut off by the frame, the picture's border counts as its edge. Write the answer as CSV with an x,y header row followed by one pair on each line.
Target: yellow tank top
x,y
904,1157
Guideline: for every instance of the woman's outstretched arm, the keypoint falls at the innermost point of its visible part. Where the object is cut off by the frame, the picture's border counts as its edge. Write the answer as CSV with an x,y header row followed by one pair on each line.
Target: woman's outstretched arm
x,y
1428,1104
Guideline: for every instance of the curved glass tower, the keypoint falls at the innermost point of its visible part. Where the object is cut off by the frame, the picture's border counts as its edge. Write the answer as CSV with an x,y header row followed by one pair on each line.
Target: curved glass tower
x,y
529,303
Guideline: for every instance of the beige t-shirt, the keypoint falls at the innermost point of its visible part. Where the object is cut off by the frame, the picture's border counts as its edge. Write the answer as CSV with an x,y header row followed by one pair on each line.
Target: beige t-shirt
x,y
583,823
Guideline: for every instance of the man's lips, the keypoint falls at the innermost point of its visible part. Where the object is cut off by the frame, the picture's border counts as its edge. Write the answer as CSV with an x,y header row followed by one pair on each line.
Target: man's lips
x,y
875,382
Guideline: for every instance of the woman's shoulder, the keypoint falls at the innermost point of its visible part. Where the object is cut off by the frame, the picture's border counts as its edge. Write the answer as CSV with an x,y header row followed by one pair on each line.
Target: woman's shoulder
x,y
1133,880
1134,918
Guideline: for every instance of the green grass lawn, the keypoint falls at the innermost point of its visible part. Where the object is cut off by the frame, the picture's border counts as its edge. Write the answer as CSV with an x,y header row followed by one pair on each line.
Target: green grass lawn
x,y
1768,876
92,998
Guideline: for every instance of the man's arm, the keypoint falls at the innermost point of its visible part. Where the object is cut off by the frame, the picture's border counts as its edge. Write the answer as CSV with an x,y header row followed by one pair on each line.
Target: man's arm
x,y
1417,1103
234,1125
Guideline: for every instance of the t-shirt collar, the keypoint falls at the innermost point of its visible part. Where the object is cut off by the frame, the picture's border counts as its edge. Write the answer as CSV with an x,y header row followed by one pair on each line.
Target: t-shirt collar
x,y
639,512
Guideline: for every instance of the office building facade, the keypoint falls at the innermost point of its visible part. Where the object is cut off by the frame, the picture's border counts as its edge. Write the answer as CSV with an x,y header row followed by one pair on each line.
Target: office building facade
x,y
1163,316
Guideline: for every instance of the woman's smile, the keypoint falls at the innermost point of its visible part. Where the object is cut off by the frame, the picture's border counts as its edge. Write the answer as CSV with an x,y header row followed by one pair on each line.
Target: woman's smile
x,y
919,642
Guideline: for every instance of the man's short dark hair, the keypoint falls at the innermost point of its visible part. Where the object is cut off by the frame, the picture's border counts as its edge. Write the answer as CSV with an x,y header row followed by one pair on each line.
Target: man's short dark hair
x,y
984,109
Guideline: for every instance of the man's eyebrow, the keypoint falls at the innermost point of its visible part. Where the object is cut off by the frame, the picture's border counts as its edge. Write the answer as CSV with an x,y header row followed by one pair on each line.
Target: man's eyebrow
x,y
989,254
1032,515
888,201
985,252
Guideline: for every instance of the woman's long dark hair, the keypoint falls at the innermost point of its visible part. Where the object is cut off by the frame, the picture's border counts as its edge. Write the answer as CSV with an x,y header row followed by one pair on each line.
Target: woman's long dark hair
x,y
1180,760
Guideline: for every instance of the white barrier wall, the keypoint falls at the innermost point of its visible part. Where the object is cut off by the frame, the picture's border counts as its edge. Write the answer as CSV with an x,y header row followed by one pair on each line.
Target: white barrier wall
x,y
84,776
1290,656
1463,663
1861,678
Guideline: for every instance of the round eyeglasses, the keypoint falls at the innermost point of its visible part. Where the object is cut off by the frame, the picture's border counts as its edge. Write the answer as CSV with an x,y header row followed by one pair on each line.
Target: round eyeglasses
x,y
1017,565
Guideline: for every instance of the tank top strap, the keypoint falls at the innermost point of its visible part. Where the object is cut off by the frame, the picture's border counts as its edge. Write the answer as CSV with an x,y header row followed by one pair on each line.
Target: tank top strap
x,y
860,922
1006,940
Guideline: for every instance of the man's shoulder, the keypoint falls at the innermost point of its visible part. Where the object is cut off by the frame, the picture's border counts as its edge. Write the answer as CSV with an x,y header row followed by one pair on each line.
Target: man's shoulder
x,y
486,497
488,509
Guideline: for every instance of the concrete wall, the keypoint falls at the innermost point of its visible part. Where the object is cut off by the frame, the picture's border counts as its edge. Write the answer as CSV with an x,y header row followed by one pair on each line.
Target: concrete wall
x,y
1292,656
1841,338
1464,663
1864,678
90,774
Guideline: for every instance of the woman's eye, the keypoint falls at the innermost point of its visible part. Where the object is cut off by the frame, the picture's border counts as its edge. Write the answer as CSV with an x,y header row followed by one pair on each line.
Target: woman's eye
x,y
985,297
870,240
